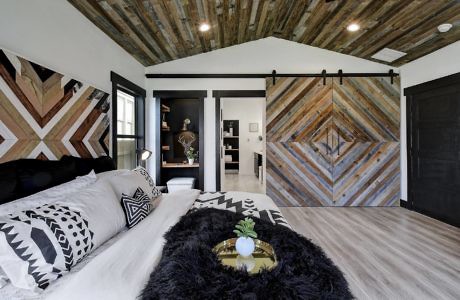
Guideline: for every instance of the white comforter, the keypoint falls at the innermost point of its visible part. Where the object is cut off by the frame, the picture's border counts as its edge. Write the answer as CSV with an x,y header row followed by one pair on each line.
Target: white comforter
x,y
122,270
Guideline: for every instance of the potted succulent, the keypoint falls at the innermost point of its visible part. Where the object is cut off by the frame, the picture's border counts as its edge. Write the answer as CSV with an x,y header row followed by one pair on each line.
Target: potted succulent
x,y
191,155
245,233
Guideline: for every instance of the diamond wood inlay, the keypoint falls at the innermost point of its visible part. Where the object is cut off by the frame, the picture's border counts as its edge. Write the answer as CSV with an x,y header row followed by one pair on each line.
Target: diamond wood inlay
x,y
332,143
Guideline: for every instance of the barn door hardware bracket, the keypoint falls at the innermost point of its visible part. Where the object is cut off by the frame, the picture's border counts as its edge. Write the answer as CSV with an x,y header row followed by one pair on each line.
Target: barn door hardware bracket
x,y
274,77
340,73
323,73
392,75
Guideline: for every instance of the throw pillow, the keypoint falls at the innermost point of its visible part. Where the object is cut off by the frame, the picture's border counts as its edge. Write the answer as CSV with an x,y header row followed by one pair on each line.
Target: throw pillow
x,y
155,191
136,208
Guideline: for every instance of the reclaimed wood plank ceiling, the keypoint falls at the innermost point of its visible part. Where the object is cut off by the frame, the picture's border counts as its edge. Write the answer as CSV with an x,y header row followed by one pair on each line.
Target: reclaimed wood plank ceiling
x,y
157,31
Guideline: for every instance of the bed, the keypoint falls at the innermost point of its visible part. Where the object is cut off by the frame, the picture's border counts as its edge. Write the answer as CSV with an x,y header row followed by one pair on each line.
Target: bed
x,y
119,267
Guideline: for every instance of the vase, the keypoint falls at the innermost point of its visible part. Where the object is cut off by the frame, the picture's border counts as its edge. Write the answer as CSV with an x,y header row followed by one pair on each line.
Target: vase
x,y
190,161
244,246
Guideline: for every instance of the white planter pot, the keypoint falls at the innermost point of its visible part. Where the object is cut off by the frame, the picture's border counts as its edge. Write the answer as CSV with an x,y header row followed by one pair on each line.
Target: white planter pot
x,y
190,161
244,246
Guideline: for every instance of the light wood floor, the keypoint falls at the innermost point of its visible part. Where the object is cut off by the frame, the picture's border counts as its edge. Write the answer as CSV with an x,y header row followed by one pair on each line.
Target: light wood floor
x,y
242,183
386,253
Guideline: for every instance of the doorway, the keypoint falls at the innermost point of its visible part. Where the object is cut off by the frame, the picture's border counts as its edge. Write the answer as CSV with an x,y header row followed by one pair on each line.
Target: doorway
x,y
433,144
240,128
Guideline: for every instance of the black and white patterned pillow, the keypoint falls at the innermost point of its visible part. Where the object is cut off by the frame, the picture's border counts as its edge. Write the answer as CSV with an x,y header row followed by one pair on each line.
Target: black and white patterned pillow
x,y
136,208
47,241
142,171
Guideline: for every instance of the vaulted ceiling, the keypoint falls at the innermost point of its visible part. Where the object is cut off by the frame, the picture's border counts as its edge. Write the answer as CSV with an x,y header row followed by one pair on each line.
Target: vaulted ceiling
x,y
156,31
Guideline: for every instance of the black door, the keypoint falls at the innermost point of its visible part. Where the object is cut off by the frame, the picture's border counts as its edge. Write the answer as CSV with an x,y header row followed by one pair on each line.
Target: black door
x,y
434,148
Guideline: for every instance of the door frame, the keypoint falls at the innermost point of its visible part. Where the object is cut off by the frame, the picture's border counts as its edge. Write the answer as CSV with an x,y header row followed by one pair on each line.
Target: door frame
x,y
171,94
409,93
218,94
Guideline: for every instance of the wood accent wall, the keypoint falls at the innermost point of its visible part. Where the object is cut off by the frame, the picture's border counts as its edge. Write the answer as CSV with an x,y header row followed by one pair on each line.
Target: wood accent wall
x,y
332,143
44,114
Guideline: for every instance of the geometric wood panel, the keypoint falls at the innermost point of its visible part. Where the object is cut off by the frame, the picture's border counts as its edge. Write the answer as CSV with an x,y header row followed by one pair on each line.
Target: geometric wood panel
x,y
44,114
157,31
367,174
367,109
297,108
333,144
298,174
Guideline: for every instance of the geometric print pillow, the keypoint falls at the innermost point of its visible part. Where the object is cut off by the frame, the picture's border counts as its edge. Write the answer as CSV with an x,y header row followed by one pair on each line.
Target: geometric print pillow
x,y
142,171
136,208
39,245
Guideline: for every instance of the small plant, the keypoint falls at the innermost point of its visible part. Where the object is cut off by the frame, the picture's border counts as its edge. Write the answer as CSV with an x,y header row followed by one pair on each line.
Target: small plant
x,y
245,228
191,154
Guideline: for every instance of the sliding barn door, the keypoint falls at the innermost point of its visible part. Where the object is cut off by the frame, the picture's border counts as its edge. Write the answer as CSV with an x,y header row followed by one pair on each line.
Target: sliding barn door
x,y
366,169
299,114
332,143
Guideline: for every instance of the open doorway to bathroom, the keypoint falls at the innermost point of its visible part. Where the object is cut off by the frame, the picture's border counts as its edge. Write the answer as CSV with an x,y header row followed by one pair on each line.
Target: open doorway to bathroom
x,y
241,141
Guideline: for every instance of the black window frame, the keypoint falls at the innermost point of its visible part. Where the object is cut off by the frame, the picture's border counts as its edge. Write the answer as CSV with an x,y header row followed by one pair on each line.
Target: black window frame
x,y
139,94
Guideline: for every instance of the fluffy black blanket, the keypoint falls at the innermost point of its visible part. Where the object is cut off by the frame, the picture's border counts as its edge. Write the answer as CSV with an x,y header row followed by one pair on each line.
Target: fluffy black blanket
x,y
189,270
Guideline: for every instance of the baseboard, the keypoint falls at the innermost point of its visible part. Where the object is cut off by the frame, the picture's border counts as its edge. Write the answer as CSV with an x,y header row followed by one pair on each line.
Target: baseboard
x,y
403,203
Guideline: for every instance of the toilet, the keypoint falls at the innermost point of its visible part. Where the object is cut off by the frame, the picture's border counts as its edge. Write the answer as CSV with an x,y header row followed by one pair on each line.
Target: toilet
x,y
180,183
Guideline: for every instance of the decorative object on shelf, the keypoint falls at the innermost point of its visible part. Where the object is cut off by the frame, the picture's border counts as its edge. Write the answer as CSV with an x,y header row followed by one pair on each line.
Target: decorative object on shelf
x,y
164,124
165,148
229,147
230,128
228,158
165,108
253,127
185,125
226,133
245,231
186,139
191,155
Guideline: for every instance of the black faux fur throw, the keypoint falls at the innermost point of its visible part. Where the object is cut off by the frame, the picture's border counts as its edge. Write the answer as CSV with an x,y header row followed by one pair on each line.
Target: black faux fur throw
x,y
190,270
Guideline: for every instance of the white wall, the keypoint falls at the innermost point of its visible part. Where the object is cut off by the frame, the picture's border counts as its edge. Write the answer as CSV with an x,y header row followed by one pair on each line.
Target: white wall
x,y
445,61
246,110
56,35
261,56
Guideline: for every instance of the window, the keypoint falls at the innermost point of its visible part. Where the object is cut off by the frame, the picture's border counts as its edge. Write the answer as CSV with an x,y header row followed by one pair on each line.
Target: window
x,y
128,113
126,133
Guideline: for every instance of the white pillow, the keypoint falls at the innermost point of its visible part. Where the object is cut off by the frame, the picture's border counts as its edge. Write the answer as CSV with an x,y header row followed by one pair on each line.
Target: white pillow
x,y
48,196
39,245
127,182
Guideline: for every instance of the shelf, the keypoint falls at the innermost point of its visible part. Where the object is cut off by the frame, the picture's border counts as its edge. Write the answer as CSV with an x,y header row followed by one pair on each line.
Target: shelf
x,y
229,137
232,162
179,165
232,149
165,128
165,148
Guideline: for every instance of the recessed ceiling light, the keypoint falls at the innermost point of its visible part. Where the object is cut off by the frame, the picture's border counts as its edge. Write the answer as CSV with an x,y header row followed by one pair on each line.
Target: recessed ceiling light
x,y
444,27
353,27
388,55
204,27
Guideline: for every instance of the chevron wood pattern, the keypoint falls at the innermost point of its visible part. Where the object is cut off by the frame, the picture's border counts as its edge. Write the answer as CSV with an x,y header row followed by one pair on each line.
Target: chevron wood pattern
x,y
298,174
367,108
44,114
297,108
366,174
333,143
